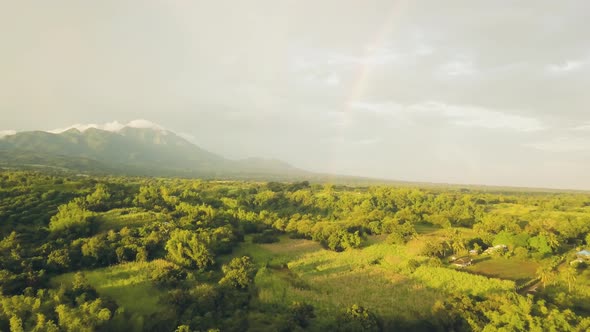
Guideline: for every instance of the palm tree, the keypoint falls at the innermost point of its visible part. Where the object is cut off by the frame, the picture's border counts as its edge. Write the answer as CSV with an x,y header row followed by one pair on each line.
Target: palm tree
x,y
552,240
545,275
570,276
459,246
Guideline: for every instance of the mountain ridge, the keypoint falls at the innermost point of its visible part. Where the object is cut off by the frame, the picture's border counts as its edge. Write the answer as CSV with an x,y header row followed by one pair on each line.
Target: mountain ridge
x,y
143,148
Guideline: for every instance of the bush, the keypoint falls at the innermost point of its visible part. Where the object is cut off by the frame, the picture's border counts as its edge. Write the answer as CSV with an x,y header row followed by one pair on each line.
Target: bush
x,y
301,313
186,249
357,318
268,236
71,219
239,273
167,275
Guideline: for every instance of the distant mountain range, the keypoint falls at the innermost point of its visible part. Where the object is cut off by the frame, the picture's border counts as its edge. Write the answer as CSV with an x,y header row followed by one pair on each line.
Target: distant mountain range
x,y
132,150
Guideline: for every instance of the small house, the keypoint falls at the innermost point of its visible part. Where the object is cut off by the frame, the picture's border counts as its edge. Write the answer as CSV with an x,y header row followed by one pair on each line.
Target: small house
x,y
463,262
584,254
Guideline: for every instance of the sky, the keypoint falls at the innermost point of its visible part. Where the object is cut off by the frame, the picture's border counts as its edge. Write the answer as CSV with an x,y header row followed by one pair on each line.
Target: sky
x,y
471,92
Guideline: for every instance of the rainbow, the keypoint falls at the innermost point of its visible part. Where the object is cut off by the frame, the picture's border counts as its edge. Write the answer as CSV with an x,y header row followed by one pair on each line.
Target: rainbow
x,y
363,73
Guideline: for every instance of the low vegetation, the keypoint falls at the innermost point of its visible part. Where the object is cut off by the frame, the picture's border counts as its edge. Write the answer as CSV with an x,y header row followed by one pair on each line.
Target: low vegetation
x,y
81,253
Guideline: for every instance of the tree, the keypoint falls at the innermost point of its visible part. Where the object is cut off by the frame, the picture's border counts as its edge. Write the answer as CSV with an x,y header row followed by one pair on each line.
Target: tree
x,y
357,318
342,240
570,276
87,317
546,274
184,248
166,274
97,201
16,324
149,198
434,249
540,244
301,313
239,273
59,259
71,218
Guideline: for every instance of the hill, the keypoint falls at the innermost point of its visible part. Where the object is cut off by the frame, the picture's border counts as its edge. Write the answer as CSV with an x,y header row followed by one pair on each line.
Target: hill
x,y
131,150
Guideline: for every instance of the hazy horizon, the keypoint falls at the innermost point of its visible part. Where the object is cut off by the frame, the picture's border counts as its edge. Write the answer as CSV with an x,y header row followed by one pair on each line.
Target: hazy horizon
x,y
476,93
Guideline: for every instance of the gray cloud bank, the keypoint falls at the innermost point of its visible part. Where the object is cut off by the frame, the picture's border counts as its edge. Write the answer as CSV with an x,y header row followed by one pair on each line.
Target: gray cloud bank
x,y
461,91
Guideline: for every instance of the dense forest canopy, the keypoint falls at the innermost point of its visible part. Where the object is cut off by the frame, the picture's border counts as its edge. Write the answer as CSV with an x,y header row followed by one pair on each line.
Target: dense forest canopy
x,y
82,253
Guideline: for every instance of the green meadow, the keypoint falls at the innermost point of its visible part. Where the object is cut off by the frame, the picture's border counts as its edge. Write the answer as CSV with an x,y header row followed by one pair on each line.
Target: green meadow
x,y
376,276
128,285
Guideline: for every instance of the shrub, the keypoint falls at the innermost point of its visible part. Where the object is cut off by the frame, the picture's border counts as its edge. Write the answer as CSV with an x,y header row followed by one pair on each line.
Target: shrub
x,y
239,273
357,318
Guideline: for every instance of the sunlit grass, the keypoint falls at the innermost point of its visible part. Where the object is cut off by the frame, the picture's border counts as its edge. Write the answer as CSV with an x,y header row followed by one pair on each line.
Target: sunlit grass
x,y
510,269
118,218
127,284
374,276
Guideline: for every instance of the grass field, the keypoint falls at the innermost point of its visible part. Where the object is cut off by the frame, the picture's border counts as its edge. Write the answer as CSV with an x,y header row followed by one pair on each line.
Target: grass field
x,y
128,284
510,269
375,276
119,218
514,209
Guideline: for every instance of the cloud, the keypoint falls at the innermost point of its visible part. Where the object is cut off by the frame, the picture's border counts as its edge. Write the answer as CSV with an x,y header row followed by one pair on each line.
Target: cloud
x,y
332,80
458,115
340,140
567,66
329,80
584,127
189,137
462,67
4,133
561,144
144,124
306,59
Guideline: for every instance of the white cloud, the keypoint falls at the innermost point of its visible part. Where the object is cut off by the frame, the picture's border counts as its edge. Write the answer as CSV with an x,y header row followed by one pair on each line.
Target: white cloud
x,y
462,67
188,137
354,141
145,124
561,144
458,115
4,133
368,141
313,59
330,80
584,127
566,66
114,126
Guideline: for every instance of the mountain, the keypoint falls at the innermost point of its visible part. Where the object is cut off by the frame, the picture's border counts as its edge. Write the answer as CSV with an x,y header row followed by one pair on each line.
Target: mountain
x,y
131,150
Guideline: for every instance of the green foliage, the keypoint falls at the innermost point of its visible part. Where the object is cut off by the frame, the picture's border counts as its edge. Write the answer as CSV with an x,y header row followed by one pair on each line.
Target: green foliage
x,y
358,318
86,317
301,313
540,244
511,240
167,275
72,219
186,249
239,273
98,200
383,247
342,240
435,249
401,234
